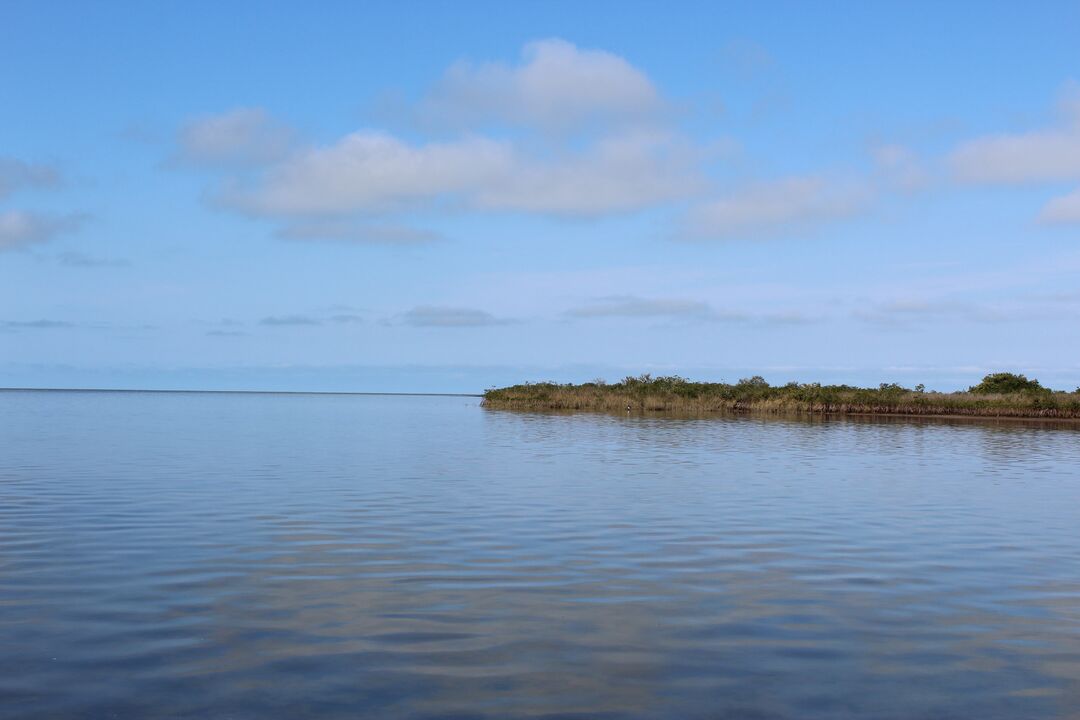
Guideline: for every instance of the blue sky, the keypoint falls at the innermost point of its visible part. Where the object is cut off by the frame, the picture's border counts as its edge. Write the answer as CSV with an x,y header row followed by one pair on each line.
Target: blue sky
x,y
426,196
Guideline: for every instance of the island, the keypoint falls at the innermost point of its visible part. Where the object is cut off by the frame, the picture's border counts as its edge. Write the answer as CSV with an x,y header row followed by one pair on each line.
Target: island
x,y
1004,394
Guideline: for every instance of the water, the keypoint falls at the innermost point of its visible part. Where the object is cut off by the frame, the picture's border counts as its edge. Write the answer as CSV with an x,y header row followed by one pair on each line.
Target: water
x,y
276,556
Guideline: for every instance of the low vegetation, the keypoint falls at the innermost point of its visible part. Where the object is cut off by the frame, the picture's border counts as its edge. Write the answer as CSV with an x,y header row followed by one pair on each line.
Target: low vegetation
x,y
998,395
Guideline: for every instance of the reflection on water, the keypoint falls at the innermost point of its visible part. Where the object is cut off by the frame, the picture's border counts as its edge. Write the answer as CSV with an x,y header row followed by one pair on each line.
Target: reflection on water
x,y
259,556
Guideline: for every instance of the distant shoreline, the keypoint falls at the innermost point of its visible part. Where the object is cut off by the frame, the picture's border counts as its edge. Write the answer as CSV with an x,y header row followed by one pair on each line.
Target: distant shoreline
x,y
646,395
239,392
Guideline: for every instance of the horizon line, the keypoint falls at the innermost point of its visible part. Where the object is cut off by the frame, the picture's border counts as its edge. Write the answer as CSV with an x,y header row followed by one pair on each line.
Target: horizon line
x,y
238,392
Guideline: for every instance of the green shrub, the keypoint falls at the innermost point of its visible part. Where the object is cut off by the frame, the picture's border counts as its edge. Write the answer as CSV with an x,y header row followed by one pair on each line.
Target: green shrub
x,y
1004,383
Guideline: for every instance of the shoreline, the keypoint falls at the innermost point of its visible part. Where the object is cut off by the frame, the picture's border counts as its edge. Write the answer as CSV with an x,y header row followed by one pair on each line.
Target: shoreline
x,y
677,396
1035,420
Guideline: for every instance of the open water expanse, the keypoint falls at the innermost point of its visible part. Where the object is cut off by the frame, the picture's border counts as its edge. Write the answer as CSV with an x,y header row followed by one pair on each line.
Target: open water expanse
x,y
168,555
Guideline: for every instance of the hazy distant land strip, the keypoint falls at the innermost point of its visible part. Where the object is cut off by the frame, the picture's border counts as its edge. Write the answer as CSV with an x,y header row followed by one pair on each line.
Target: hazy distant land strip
x,y
998,395
240,392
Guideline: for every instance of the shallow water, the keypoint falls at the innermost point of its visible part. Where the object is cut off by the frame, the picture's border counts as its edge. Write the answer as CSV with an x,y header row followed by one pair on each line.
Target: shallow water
x,y
291,556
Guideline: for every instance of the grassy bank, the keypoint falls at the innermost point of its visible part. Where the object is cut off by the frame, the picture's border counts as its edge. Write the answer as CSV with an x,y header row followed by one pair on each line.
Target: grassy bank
x,y
999,395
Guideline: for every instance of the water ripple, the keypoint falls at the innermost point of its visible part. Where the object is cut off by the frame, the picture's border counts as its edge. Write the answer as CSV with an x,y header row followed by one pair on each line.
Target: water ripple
x,y
260,556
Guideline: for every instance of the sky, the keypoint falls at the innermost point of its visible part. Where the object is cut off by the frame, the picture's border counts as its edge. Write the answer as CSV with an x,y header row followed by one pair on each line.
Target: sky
x,y
447,197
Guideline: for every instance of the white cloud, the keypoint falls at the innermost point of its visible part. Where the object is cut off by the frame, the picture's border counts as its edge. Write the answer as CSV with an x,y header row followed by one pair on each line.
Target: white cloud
x,y
375,173
438,316
17,175
243,136
623,173
356,189
372,172
777,208
556,87
1040,156
1061,210
349,189
20,229
1035,157
1050,155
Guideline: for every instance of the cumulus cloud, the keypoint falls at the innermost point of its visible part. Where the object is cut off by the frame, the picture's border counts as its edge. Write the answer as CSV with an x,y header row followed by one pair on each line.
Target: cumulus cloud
x,y
242,136
344,190
623,173
1048,155
18,175
1039,156
1063,209
376,173
449,317
557,86
372,172
1035,157
777,208
19,229
355,189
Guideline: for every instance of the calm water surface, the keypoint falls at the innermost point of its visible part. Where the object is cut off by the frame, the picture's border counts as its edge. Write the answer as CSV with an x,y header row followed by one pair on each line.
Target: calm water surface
x,y
273,556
